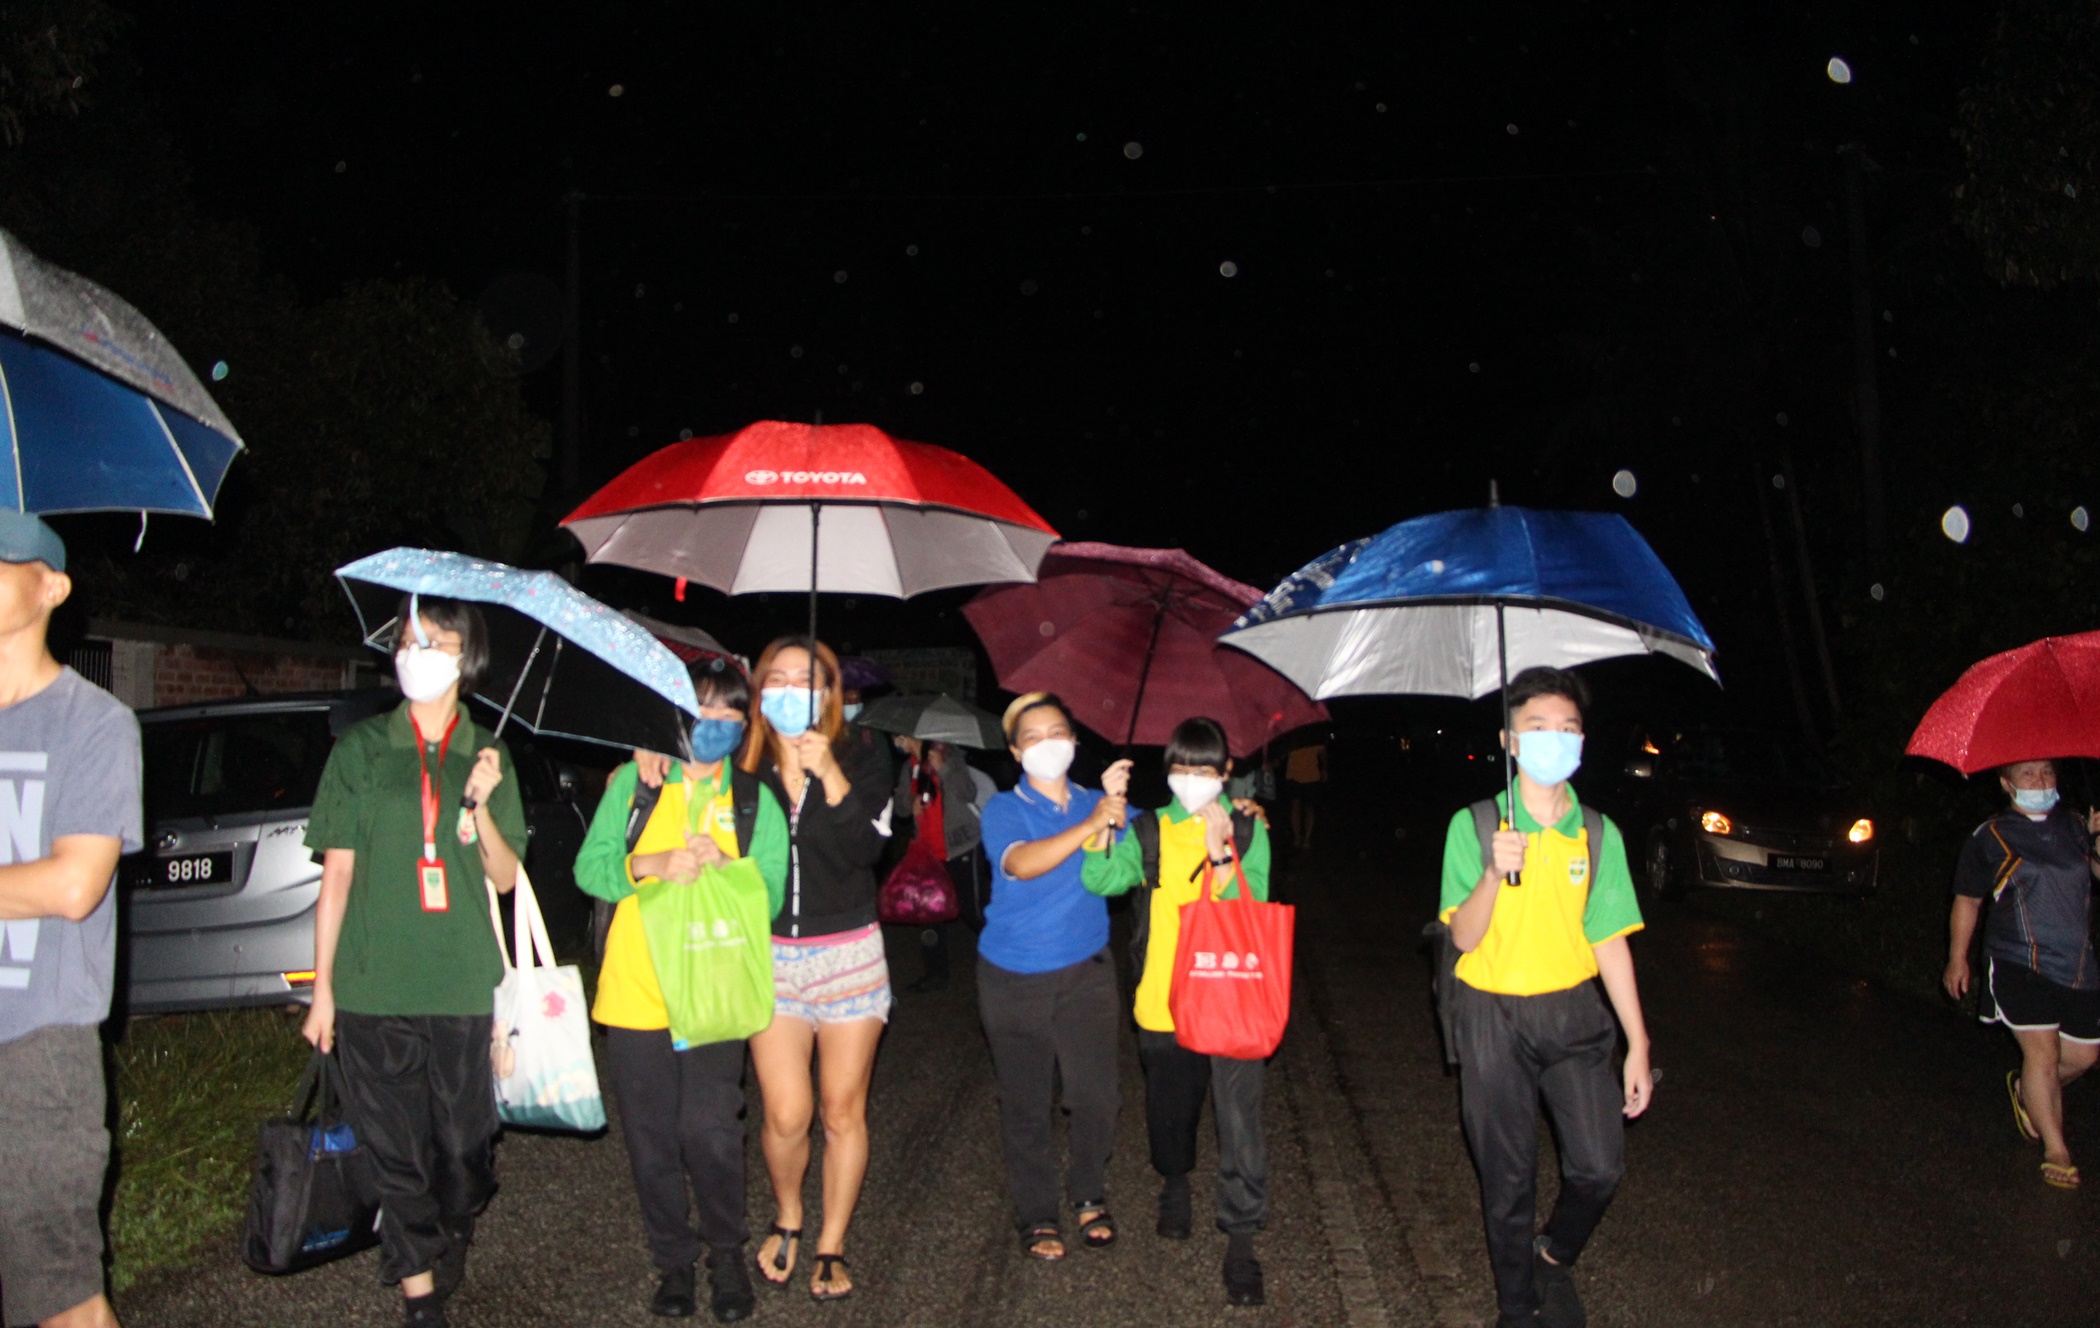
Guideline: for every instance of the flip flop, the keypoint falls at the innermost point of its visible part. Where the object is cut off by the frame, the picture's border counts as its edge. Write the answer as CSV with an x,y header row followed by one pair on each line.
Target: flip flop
x,y
781,1261
1037,1236
2060,1174
2012,1090
827,1267
1099,1231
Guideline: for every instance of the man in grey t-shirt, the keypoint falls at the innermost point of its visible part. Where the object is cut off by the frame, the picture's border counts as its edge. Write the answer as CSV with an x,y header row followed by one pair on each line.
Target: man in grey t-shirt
x,y
69,807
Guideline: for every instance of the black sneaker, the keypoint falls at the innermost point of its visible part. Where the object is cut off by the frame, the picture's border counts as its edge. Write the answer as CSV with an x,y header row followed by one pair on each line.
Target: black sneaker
x,y
1243,1280
674,1298
424,1312
1176,1219
1559,1306
730,1285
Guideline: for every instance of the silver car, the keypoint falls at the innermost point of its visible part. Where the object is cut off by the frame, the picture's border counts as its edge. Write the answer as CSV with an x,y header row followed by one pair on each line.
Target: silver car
x,y
218,910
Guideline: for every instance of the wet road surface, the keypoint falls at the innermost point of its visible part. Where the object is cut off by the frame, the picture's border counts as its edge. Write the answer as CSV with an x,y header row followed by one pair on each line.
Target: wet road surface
x,y
1820,1151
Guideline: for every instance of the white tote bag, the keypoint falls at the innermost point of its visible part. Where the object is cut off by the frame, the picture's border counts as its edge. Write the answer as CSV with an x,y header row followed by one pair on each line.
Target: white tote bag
x,y
541,1048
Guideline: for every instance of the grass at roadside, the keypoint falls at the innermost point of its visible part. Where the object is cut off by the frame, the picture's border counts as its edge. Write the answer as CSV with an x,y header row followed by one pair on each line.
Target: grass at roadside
x,y
191,1090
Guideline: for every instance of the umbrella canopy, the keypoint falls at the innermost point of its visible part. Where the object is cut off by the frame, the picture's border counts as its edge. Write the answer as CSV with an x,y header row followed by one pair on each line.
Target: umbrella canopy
x,y
934,719
560,661
1128,638
688,643
97,411
743,513
1427,607
2042,700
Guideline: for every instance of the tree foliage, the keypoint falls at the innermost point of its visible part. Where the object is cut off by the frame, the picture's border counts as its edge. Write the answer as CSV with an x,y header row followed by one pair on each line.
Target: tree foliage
x,y
48,55
2029,132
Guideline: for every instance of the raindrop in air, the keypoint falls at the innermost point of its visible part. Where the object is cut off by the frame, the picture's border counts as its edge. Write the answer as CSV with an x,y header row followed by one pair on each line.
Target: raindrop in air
x,y
2019,509
616,90
1047,628
917,388
684,434
1474,367
795,352
1509,129
911,251
1676,421
1878,592
1381,108
516,341
2079,518
1228,268
1779,481
2070,191
839,276
1780,419
1624,484
1811,237
1082,138
1133,150
1839,71
639,290
732,318
341,166
1954,524
1436,565
1028,287
219,371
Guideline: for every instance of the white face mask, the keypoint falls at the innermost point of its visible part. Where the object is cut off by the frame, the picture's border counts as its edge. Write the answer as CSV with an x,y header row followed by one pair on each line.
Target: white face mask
x,y
1195,791
424,672
1050,758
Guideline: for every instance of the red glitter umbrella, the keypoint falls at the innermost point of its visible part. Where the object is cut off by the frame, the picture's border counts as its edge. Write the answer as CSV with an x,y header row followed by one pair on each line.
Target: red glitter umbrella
x,y
2042,700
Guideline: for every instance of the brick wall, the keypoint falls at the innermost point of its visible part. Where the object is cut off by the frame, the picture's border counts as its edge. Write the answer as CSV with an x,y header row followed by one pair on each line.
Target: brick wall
x,y
185,674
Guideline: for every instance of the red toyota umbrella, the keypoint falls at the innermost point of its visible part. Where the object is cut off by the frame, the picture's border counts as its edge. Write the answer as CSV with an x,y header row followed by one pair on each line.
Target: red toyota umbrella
x,y
837,507
2041,700
1128,637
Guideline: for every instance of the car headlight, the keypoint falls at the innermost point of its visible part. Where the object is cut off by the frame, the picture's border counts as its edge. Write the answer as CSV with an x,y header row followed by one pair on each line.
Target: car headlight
x,y
1714,823
1862,830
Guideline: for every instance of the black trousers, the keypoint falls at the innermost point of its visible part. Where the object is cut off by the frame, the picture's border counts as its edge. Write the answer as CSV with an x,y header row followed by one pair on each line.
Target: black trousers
x,y
681,1113
1045,1028
1176,1082
1512,1050
418,1092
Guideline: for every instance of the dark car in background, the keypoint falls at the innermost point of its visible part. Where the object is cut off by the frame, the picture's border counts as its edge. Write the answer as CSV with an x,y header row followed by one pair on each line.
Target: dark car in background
x,y
218,909
1737,807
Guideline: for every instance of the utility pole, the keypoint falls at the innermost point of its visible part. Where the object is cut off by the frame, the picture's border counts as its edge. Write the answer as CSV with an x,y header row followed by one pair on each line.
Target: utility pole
x,y
571,348
1809,592
1866,370
1761,481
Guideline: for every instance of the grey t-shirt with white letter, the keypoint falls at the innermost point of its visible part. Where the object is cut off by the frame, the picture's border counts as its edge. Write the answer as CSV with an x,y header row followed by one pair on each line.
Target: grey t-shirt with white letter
x,y
69,765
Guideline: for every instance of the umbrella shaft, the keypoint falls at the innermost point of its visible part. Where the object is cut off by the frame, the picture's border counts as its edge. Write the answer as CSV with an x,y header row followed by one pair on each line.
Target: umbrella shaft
x,y
1509,739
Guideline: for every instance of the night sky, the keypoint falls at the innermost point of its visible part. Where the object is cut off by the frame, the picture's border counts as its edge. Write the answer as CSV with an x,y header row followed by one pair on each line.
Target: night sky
x,y
1251,282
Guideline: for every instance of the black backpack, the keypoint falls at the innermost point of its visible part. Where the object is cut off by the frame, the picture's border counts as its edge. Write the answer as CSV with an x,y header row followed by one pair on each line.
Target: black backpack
x,y
1146,827
1487,819
743,794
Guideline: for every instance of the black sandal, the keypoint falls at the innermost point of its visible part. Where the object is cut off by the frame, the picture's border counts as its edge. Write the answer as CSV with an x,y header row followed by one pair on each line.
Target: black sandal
x,y
1099,1231
1036,1236
785,1265
827,1264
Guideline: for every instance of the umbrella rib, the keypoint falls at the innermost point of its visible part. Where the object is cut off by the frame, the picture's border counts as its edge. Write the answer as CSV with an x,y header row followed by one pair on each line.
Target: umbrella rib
x,y
14,440
539,716
176,448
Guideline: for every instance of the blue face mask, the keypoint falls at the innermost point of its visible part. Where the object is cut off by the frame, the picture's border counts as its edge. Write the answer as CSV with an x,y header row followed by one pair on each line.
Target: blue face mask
x,y
2035,802
787,709
851,709
1549,758
714,739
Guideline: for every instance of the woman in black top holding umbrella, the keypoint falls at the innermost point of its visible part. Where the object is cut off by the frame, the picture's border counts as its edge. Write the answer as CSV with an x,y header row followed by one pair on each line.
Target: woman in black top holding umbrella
x,y
830,980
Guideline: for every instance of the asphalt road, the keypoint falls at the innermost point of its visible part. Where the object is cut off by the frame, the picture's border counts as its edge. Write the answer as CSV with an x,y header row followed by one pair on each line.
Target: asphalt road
x,y
1820,1152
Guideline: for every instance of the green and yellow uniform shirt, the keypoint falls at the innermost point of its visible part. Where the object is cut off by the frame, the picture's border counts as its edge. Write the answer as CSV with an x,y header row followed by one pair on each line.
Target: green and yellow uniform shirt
x,y
1541,935
393,958
1182,855
628,993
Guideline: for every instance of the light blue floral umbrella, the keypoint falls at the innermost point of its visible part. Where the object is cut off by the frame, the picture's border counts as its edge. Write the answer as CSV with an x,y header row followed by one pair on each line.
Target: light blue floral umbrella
x,y
560,662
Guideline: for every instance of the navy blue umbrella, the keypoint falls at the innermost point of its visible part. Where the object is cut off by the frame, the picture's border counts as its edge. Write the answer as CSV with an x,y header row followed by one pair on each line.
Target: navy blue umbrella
x,y
97,411
1452,603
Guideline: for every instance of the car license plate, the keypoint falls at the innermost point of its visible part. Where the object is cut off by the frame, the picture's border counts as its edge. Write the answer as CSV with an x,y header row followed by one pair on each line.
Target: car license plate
x,y
187,869
1790,862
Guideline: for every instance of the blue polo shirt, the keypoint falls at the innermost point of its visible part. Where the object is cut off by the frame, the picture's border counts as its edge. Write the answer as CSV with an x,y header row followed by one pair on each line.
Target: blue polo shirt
x,y
1050,922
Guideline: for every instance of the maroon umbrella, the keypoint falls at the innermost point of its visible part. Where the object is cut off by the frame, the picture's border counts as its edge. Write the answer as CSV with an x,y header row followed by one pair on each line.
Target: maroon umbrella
x,y
1128,637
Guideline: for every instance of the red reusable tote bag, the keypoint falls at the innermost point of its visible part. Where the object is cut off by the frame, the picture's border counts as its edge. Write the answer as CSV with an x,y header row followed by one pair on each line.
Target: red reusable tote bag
x,y
1231,994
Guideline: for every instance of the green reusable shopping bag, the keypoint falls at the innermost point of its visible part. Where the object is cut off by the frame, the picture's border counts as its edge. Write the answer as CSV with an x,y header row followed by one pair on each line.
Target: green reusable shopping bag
x,y
712,944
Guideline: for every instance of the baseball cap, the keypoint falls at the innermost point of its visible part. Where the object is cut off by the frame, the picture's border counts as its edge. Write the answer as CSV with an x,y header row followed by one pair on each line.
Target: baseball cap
x,y
24,538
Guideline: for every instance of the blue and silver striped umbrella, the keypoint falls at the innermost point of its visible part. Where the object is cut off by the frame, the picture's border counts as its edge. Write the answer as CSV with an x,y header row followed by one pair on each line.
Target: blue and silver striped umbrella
x,y
97,411
560,662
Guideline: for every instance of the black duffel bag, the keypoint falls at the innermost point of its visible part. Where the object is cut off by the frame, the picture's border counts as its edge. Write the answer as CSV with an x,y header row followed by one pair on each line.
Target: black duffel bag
x,y
311,1198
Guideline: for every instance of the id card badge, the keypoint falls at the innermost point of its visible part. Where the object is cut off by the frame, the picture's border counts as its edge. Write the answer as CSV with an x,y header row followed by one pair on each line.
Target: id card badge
x,y
430,875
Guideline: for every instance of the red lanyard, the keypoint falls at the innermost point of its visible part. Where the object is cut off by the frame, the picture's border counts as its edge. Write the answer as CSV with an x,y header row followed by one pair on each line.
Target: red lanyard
x,y
430,797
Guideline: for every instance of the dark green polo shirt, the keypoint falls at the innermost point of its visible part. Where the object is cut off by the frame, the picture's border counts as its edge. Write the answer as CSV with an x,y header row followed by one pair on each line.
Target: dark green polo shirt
x,y
394,958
